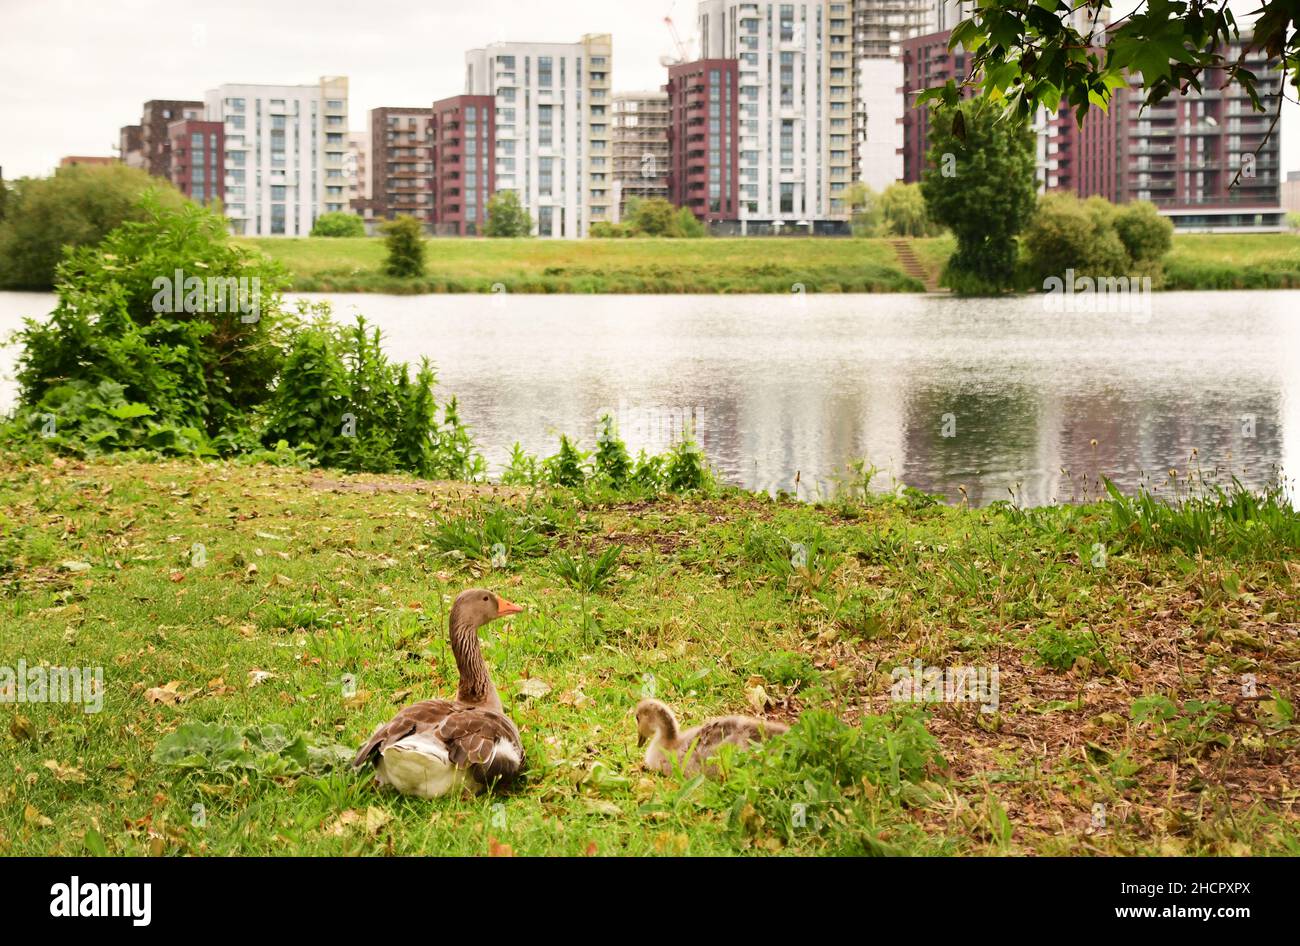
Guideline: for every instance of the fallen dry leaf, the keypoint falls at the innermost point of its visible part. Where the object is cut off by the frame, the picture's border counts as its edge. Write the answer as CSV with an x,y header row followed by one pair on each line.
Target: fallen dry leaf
x,y
63,773
168,695
534,687
376,818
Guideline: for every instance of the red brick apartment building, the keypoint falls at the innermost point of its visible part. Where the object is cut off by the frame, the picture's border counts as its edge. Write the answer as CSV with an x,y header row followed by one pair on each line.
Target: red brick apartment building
x,y
151,135
401,164
704,138
1182,154
464,160
927,62
198,159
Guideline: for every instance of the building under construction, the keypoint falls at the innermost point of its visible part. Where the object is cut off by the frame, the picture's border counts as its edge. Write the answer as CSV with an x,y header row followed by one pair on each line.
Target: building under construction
x,y
640,146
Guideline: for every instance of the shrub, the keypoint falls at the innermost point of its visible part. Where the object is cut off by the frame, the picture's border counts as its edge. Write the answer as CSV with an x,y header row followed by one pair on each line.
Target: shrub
x,y
342,401
404,240
118,366
1068,233
337,223
1146,235
77,206
116,320
604,230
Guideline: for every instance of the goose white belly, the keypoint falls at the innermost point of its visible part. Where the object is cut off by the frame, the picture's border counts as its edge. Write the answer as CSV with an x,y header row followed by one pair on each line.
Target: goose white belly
x,y
420,765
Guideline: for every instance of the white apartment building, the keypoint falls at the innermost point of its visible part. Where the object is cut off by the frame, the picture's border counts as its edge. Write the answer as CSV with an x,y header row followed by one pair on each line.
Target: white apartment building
x,y
796,106
356,167
286,150
880,139
879,29
553,113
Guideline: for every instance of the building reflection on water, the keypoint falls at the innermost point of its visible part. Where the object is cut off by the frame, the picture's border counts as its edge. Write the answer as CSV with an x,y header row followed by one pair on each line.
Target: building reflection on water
x,y
996,396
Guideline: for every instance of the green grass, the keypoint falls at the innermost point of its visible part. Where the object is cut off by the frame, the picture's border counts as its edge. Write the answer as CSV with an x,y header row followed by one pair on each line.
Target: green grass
x,y
1197,261
1234,261
1120,677
607,266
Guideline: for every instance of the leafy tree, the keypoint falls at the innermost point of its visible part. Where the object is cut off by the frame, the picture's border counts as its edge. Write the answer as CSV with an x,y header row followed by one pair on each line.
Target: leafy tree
x,y
903,213
507,217
404,239
77,206
1027,53
864,205
338,223
4,197
979,182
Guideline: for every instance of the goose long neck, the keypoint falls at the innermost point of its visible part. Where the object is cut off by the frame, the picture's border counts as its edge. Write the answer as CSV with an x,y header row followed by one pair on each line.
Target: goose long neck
x,y
475,682
668,733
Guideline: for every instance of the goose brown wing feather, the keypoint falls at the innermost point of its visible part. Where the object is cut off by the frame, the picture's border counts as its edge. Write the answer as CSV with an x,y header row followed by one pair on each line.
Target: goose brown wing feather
x,y
428,714
470,733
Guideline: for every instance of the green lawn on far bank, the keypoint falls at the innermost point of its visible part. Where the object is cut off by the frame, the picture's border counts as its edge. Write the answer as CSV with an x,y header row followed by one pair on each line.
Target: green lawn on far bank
x,y
1197,261
619,266
253,624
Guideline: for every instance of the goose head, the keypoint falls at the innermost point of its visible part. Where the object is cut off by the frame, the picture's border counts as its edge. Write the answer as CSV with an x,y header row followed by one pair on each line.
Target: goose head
x,y
654,719
478,606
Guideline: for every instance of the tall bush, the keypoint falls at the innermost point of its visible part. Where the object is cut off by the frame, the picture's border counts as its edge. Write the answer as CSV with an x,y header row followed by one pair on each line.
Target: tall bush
x,y
77,206
338,223
404,240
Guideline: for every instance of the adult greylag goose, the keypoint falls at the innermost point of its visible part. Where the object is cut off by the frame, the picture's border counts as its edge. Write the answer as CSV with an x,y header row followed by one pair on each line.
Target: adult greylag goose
x,y
437,746
691,749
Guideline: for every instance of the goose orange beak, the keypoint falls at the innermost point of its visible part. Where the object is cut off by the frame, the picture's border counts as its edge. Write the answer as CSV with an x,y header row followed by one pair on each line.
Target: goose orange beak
x,y
505,607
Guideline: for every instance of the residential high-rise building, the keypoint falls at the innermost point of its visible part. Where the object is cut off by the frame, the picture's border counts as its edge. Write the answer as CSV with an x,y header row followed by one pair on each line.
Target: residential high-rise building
x,y
1206,160
704,138
286,149
927,62
796,107
465,163
879,29
640,146
130,148
1183,154
401,163
155,142
551,102
197,159
356,168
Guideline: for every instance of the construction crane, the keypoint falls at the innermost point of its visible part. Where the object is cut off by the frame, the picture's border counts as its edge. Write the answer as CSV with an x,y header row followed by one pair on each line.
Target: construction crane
x,y
682,54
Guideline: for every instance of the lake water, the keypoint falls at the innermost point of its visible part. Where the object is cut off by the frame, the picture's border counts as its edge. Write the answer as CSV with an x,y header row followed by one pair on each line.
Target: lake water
x,y
993,396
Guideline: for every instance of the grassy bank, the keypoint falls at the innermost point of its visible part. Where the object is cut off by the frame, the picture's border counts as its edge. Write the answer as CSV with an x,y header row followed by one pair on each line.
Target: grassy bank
x,y
607,266
230,596
1197,261
1234,261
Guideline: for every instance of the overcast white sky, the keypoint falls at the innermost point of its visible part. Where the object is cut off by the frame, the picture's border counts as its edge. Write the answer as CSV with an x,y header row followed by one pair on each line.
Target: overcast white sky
x,y
72,72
